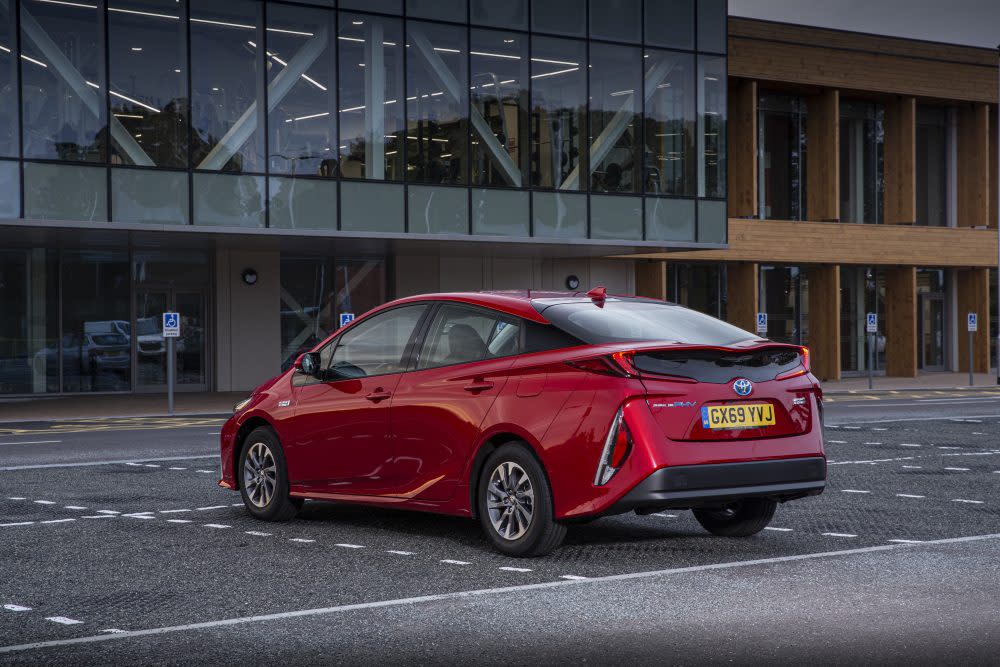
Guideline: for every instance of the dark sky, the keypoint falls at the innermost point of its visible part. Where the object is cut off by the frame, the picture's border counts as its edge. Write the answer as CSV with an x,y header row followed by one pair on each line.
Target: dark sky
x,y
969,22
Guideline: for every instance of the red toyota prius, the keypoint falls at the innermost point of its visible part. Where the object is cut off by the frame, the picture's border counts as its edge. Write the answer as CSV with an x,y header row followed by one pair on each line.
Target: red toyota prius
x,y
531,411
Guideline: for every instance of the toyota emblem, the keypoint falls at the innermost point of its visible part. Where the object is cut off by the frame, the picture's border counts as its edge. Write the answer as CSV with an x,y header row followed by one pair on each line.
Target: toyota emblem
x,y
743,387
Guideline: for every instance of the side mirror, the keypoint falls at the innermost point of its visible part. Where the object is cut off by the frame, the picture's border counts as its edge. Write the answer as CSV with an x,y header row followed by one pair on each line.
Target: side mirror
x,y
308,363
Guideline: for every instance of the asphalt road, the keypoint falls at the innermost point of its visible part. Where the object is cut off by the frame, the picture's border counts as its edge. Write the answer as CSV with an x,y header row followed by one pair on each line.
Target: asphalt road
x,y
118,547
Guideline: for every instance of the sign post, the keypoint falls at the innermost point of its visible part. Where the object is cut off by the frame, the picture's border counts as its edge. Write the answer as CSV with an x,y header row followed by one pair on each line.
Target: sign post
x,y
871,327
973,326
762,323
171,330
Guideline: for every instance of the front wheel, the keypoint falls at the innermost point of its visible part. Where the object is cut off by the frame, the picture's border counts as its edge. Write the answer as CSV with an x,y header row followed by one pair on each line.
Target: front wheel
x,y
741,518
514,503
264,477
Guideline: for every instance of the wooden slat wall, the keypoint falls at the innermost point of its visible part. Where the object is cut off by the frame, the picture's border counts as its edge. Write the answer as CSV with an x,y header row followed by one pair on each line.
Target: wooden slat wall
x,y
742,148
974,297
824,321
862,71
901,322
994,157
973,165
789,242
651,279
900,161
823,164
742,295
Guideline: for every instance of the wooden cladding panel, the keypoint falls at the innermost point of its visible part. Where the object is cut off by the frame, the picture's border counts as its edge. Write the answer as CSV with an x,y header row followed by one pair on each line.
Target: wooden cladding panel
x,y
742,147
823,165
900,161
824,321
789,242
901,322
973,165
857,70
742,295
994,158
974,297
651,279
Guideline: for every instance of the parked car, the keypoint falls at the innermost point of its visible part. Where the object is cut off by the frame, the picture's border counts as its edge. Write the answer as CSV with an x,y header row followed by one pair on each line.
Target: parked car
x,y
530,411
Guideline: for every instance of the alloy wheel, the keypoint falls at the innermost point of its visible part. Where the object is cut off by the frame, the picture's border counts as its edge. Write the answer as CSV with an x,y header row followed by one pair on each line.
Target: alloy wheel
x,y
510,500
259,474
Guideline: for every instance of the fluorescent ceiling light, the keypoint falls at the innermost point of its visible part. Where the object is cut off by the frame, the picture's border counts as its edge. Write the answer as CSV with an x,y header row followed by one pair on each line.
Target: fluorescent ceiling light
x,y
138,13
4,48
495,55
128,115
68,4
553,62
314,115
129,99
558,71
32,60
291,32
619,93
444,50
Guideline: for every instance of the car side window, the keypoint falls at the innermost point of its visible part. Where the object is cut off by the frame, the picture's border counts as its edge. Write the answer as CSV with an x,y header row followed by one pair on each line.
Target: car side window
x,y
459,335
374,346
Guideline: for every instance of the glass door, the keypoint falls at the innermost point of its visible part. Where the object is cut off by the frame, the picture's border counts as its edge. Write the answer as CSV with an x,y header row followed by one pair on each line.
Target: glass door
x,y
932,332
150,348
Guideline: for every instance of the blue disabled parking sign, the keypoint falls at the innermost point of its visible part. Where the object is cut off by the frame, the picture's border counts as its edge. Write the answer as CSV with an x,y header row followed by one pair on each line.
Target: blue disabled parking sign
x,y
872,323
973,322
762,323
171,325
346,318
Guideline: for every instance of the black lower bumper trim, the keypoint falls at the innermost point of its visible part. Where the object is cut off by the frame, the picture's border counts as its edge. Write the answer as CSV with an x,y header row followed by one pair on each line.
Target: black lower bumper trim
x,y
716,483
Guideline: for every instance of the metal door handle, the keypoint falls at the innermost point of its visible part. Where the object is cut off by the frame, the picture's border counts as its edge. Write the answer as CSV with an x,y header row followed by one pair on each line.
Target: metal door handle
x,y
378,395
478,385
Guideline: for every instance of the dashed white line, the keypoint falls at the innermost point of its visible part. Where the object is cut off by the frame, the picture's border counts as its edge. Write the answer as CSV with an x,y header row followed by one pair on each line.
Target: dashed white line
x,y
150,465
837,442
108,512
140,515
257,533
301,539
399,553
175,468
943,447
880,429
16,498
17,523
350,546
208,471
63,620
98,516
179,521
45,502
909,444
212,507
909,495
914,467
516,569
665,516
455,562
965,500
74,507
907,541
216,525
134,464
780,530
958,469
57,521
873,443
839,534
854,491
113,631
571,577
173,511
16,607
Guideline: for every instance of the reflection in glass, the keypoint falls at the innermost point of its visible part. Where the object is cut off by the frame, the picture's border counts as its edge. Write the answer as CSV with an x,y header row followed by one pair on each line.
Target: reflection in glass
x,y
376,207
712,26
782,164
499,91
712,224
561,17
96,334
784,296
29,329
438,210
302,90
670,164
670,219
437,84
510,14
861,176
227,86
65,192
616,90
932,166
862,291
371,78
558,108
615,217
302,203
712,126
229,200
10,189
500,212
559,215
8,81
697,286
62,80
145,195
440,10
617,20
148,64
670,23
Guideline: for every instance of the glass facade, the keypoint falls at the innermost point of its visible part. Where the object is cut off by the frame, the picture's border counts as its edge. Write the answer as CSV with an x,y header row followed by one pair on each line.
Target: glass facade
x,y
862,178
932,166
259,114
782,159
862,291
784,296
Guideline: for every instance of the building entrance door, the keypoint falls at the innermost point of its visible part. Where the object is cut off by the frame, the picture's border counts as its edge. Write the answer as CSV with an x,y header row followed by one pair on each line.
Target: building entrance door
x,y
931,322
149,347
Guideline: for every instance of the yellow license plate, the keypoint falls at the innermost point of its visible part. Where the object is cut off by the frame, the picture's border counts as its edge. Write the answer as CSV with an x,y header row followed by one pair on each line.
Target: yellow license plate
x,y
744,415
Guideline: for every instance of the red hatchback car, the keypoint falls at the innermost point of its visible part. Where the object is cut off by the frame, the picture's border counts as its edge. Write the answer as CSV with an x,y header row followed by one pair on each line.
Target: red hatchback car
x,y
530,411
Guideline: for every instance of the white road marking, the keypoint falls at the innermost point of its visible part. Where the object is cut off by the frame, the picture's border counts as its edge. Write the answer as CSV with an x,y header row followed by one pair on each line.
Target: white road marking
x,y
516,569
914,467
782,530
839,534
236,505
140,515
16,607
880,429
16,498
907,541
208,471
853,491
114,631
350,546
212,507
216,525
62,620
909,495
133,464
257,533
944,447
852,428
18,523
872,461
399,553
909,444
455,562
176,468
150,465
108,463
74,507
958,469
108,512
300,539
99,516
573,580
45,502
964,500
906,419
179,521
837,442
173,511
57,521
873,443
30,442
665,516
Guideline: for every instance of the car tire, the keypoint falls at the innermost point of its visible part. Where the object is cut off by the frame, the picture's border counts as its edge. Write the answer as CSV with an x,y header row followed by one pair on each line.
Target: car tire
x,y
739,519
517,515
263,477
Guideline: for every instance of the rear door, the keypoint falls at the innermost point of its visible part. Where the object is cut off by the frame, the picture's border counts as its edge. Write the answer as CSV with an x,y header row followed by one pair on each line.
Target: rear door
x,y
438,407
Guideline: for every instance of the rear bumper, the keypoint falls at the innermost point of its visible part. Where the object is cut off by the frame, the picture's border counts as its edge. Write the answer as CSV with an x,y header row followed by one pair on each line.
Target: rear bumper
x,y
716,483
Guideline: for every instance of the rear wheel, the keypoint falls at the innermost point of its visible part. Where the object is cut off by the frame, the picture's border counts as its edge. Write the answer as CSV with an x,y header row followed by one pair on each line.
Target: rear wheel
x,y
737,519
514,503
264,478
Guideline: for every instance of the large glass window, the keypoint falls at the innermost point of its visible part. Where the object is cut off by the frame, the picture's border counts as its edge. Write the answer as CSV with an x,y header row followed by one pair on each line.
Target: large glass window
x,y
8,81
712,126
302,90
227,86
712,25
670,23
932,166
499,111
371,78
862,291
29,329
782,159
508,14
62,80
558,108
562,17
617,20
698,286
861,175
437,86
784,296
148,84
669,156
616,91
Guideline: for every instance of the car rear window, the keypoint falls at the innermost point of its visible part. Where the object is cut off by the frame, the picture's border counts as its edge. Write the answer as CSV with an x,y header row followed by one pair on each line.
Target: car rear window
x,y
628,320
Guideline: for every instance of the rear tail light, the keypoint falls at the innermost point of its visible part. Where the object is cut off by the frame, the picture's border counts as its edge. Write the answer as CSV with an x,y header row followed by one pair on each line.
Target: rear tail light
x,y
619,364
801,370
617,447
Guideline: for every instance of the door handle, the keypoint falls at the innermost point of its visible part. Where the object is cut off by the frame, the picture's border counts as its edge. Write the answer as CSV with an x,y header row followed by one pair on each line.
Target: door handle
x,y
378,395
478,385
